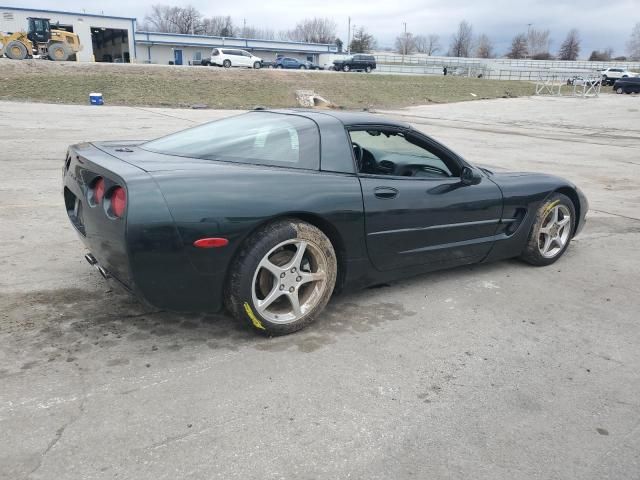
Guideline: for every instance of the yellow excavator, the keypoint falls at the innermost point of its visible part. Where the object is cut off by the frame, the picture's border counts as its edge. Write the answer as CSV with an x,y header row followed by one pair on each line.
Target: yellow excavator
x,y
40,39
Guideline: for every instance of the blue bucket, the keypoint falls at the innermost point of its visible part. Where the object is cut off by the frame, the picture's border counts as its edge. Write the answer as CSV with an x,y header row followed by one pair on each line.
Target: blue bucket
x,y
96,99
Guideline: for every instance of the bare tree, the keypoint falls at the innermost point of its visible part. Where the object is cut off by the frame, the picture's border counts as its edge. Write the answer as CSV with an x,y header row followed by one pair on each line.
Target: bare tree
x,y
461,40
174,19
427,44
633,45
406,43
421,43
484,47
248,31
570,48
218,26
158,19
518,46
433,44
313,30
601,56
362,42
538,42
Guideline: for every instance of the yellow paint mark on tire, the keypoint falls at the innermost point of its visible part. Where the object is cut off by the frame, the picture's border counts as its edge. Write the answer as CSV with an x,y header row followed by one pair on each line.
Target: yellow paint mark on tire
x,y
252,317
550,206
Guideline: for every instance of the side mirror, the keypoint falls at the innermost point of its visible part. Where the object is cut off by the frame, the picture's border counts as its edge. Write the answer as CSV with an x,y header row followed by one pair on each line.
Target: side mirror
x,y
470,176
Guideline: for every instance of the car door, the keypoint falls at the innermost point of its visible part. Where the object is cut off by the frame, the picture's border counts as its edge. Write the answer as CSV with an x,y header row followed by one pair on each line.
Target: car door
x,y
418,211
246,59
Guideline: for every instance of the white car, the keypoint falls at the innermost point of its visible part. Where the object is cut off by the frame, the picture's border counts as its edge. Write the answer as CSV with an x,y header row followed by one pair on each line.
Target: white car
x,y
610,75
233,57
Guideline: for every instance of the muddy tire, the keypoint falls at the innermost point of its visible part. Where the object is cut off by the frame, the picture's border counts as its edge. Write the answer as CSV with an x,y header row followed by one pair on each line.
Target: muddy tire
x,y
59,52
16,50
282,278
551,232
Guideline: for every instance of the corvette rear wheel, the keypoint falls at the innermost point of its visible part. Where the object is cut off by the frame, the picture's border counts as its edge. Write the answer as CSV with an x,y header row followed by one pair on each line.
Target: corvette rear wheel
x,y
283,278
551,232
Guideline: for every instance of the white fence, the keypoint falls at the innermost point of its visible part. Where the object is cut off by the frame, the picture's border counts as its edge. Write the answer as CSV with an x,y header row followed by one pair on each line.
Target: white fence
x,y
493,68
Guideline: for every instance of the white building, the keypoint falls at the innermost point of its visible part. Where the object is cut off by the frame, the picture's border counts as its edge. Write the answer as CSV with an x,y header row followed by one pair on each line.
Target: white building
x,y
114,39
103,38
163,48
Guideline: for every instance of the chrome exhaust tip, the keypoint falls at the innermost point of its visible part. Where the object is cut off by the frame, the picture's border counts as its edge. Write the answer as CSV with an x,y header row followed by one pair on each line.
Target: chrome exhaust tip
x,y
103,272
94,263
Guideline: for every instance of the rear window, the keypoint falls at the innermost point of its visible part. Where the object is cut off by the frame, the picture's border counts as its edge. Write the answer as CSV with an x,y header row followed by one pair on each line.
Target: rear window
x,y
215,52
258,138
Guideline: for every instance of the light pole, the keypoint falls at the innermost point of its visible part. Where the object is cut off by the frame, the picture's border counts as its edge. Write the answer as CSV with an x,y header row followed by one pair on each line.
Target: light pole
x,y
404,41
528,38
349,37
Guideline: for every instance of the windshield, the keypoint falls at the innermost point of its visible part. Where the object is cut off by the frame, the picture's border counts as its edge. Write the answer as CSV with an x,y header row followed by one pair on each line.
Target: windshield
x,y
259,138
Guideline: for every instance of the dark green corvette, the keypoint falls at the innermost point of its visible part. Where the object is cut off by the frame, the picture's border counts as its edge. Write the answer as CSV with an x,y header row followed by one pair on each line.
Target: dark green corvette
x,y
270,212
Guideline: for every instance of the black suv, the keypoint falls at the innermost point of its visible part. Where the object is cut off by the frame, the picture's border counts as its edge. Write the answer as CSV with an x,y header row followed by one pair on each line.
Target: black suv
x,y
358,62
627,85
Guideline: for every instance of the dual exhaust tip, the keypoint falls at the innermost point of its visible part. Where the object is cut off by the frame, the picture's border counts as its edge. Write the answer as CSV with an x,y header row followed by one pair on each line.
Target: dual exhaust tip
x,y
94,263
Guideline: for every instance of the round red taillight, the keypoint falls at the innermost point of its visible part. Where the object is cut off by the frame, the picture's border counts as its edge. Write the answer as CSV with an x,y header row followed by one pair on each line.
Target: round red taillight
x,y
118,201
98,191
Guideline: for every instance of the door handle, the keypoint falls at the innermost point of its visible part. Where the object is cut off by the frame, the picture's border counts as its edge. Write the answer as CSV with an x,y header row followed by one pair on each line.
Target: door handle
x,y
385,192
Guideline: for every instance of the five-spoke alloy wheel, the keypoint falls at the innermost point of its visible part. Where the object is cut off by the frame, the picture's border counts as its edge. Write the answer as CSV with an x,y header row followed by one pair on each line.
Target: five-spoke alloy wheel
x,y
289,281
551,231
555,231
282,278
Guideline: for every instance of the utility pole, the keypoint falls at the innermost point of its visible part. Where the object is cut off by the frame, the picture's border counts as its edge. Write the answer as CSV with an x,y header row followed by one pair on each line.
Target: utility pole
x,y
528,38
404,41
349,37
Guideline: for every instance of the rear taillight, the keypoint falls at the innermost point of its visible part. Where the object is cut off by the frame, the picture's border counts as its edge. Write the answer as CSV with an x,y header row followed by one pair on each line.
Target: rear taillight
x,y
118,202
98,191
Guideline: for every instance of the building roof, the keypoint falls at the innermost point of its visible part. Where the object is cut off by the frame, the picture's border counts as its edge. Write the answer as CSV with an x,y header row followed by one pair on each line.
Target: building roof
x,y
62,12
187,40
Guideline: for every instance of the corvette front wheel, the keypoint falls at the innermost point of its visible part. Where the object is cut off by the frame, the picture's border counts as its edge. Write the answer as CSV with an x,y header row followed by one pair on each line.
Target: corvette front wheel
x,y
551,231
282,278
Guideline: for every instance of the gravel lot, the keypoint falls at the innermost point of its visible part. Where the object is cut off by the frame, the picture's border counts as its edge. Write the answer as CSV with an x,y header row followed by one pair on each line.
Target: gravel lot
x,y
496,371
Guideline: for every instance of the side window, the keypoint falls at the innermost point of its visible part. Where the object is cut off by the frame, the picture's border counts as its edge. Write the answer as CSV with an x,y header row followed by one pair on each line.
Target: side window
x,y
382,152
246,54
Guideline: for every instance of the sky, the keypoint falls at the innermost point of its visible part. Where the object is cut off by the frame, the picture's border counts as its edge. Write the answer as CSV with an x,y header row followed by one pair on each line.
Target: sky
x,y
601,23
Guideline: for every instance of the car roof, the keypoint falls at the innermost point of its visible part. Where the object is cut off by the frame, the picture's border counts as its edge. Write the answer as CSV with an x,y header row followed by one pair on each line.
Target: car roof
x,y
346,117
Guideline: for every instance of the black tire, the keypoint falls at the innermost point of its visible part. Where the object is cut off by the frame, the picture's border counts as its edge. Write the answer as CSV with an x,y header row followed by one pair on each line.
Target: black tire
x,y
226,63
303,67
245,270
619,90
16,50
278,66
531,253
368,69
59,52
257,65
346,68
